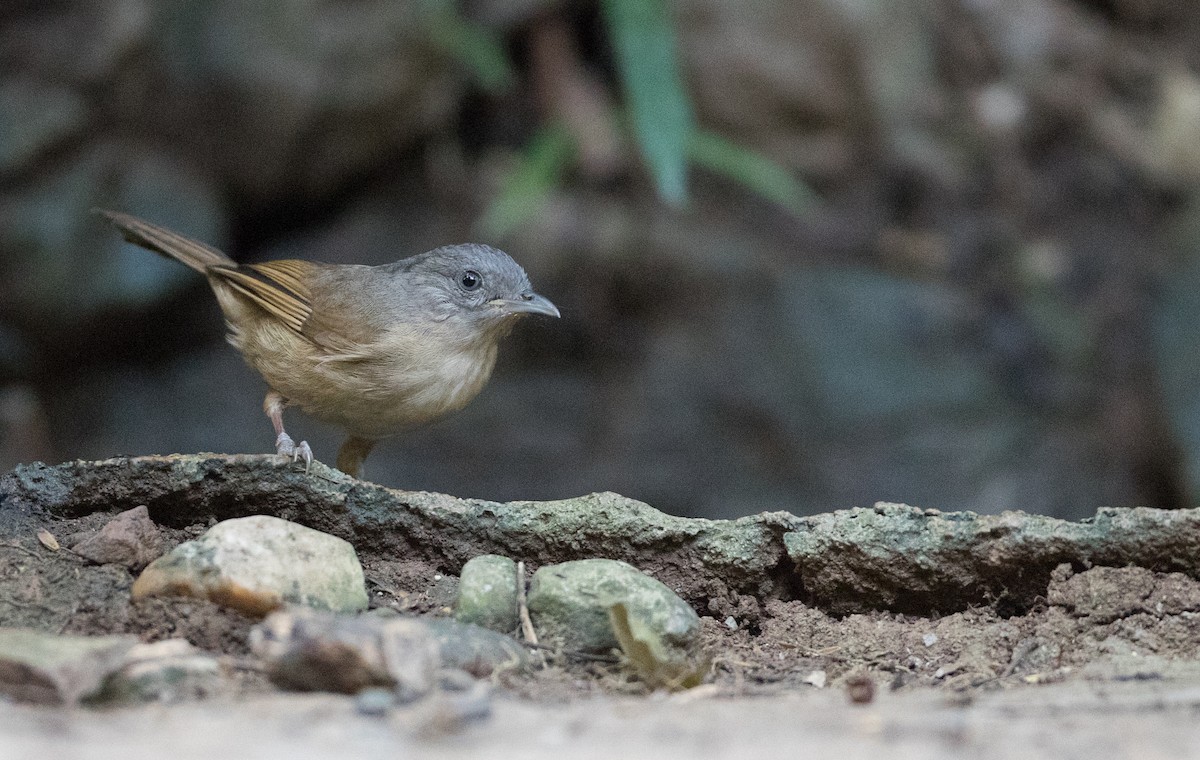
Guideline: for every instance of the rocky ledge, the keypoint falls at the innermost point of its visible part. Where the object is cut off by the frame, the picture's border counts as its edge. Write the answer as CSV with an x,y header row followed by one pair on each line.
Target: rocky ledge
x,y
887,557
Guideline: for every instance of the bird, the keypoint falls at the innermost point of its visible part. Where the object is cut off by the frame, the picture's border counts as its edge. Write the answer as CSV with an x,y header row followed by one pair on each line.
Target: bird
x,y
374,350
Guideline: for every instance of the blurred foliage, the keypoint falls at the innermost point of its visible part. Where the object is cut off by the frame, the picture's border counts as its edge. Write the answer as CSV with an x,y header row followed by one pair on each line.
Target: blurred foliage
x,y
526,186
650,657
474,45
643,38
659,111
752,169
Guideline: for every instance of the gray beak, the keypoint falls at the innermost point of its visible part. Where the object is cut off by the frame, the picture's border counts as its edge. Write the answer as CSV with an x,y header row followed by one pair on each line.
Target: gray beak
x,y
527,303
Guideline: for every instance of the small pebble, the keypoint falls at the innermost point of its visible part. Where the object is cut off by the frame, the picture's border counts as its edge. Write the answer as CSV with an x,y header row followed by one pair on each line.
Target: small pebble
x,y
730,623
571,603
929,639
374,701
475,703
487,593
131,539
453,679
860,690
258,564
448,714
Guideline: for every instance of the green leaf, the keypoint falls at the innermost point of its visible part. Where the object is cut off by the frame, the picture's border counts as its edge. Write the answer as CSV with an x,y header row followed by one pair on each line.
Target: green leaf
x,y
650,658
752,169
643,38
529,183
475,46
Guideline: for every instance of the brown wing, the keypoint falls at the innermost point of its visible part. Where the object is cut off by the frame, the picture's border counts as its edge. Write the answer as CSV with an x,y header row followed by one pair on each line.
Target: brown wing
x,y
313,300
278,287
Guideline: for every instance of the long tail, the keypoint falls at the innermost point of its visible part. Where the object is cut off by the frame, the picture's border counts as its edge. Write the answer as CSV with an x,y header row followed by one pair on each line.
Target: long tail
x,y
195,254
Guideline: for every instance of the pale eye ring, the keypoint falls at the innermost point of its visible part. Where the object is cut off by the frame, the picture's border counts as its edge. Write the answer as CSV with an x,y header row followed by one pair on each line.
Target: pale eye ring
x,y
471,280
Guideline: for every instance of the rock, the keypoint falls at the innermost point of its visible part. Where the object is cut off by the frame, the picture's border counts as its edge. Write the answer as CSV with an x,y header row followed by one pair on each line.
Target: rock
x,y
478,651
654,655
165,671
256,564
487,593
131,539
690,554
450,712
1106,594
890,557
310,651
50,669
905,559
375,701
570,605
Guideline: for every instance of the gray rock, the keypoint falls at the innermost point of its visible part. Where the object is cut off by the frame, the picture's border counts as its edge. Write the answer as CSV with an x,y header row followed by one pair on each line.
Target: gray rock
x,y
375,701
131,539
689,554
449,712
165,671
487,593
310,651
892,557
49,669
905,559
478,651
256,564
570,604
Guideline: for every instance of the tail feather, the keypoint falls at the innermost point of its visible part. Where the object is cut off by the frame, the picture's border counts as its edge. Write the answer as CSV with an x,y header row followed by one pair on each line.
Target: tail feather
x,y
193,253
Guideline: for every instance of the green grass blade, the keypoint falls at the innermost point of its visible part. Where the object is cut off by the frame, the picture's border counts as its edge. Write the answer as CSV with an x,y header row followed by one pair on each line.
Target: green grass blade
x,y
529,183
643,38
751,169
473,45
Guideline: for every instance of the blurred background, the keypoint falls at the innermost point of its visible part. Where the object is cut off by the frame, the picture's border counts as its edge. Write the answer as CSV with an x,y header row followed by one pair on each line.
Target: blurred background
x,y
809,255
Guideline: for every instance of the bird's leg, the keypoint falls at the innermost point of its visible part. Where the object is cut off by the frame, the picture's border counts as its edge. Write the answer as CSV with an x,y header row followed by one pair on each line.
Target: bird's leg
x,y
273,405
352,453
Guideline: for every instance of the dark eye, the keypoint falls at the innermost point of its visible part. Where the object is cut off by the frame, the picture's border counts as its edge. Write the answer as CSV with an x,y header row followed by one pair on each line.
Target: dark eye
x,y
470,280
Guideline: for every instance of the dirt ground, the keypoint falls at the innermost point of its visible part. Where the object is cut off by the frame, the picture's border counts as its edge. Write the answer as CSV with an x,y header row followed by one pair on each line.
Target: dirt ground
x,y
884,678
1129,720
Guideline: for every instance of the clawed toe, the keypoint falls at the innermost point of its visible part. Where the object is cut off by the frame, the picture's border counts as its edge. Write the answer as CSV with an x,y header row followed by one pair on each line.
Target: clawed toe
x,y
303,451
286,447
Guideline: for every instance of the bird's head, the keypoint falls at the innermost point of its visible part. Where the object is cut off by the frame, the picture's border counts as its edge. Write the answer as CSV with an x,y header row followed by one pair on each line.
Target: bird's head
x,y
478,285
